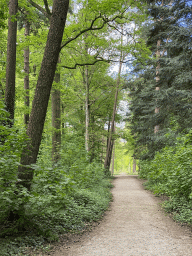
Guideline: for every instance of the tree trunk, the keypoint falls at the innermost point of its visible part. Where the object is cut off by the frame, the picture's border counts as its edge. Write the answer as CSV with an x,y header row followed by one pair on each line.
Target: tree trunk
x,y
92,140
158,55
113,160
103,149
1,91
129,168
56,120
134,165
26,78
113,156
156,129
42,92
63,124
87,110
108,129
110,140
11,60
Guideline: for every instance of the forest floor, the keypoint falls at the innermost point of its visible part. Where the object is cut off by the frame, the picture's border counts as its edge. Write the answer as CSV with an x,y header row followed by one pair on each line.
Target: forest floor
x,y
135,224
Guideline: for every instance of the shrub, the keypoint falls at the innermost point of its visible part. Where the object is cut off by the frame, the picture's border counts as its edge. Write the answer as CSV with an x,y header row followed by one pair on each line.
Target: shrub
x,y
170,173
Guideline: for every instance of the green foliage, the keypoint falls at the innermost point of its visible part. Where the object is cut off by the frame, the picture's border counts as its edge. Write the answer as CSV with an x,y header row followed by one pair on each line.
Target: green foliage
x,y
168,108
12,141
181,209
62,198
3,14
169,173
57,204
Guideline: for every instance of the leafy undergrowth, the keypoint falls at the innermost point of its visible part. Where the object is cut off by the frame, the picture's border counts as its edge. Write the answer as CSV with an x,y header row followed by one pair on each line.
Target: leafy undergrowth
x,y
63,198
169,174
58,203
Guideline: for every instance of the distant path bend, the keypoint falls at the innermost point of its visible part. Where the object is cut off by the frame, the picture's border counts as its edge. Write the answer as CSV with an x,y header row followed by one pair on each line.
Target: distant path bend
x,y
134,226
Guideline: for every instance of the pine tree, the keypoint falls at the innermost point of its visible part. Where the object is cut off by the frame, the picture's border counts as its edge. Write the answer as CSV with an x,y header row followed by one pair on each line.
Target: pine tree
x,y
171,27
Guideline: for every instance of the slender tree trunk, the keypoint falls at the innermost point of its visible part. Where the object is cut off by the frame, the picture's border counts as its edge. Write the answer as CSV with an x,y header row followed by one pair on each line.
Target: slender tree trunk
x,y
26,78
92,140
134,165
113,160
42,92
103,149
87,110
110,140
1,91
158,55
108,129
11,60
129,168
56,120
113,156
156,129
63,124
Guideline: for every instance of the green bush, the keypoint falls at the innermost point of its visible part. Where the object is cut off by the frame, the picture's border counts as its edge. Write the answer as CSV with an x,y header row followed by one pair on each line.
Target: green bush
x,y
63,197
170,173
12,141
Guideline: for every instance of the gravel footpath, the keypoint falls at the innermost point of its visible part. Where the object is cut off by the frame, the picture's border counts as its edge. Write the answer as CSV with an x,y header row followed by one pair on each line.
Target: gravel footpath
x,y
135,225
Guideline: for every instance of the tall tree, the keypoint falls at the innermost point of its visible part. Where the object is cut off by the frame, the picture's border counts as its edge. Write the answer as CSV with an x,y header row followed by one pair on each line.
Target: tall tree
x,y
87,108
111,134
26,69
171,103
42,92
56,117
11,59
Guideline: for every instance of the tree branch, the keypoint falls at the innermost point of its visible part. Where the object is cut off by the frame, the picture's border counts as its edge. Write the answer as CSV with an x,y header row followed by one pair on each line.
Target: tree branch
x,y
105,21
47,7
38,7
91,64
84,64
115,28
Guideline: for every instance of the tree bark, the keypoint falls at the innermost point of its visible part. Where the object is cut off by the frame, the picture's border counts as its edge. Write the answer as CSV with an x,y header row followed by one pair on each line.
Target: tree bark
x,y
26,78
42,92
63,124
113,161
11,60
156,129
1,91
92,140
134,165
110,140
87,109
108,129
56,120
129,167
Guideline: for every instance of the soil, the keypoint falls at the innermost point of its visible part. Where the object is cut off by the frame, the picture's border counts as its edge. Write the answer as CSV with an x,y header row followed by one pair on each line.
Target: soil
x,y
134,225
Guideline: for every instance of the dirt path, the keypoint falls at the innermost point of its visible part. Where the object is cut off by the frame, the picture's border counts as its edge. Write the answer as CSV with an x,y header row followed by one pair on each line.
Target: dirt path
x,y
135,225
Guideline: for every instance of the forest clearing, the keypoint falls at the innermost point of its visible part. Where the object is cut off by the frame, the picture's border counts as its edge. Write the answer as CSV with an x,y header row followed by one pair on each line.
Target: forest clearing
x,y
90,89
